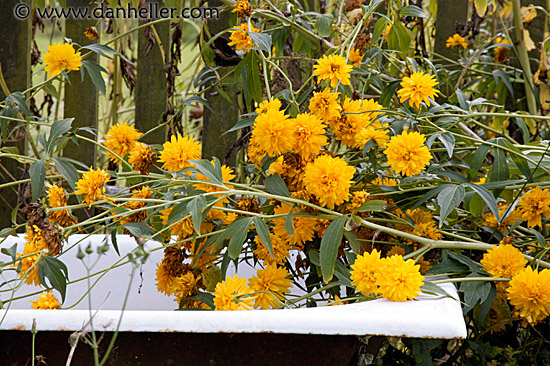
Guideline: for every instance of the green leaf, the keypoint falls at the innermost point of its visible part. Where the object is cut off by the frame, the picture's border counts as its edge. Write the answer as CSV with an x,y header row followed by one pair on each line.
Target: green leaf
x,y
56,272
329,247
481,7
205,167
518,159
353,240
237,239
102,49
58,129
373,205
429,195
289,224
263,232
499,171
539,236
323,25
178,212
379,28
474,292
114,241
388,92
196,207
276,185
263,40
19,99
448,199
204,297
448,141
487,197
229,231
247,122
11,251
37,172
435,289
398,38
413,11
94,70
67,170
478,159
253,83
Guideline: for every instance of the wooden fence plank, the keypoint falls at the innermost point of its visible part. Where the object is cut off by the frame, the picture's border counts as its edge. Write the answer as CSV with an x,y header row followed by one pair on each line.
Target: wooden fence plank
x,y
15,58
81,97
224,113
151,96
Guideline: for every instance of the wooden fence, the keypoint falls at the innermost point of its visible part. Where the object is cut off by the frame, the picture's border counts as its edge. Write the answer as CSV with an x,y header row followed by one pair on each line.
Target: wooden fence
x,y
150,94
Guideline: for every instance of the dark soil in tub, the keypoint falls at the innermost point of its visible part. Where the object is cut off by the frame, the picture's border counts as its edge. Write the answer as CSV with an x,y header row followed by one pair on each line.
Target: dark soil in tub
x,y
146,349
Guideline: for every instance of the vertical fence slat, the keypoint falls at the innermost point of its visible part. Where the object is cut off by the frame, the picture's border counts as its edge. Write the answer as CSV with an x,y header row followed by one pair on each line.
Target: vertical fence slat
x,y
151,97
15,58
224,113
81,97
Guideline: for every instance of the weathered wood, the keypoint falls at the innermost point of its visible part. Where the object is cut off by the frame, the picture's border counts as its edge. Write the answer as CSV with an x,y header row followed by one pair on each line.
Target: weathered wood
x,y
15,58
151,96
449,13
224,113
81,97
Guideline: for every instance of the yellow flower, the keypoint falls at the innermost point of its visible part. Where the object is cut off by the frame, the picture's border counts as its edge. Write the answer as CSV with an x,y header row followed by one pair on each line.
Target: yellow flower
x,y
177,153
356,116
266,105
333,68
417,88
357,200
406,153
240,39
183,228
325,104
355,57
456,40
256,152
375,131
141,156
233,294
141,215
274,132
91,186
309,134
529,292
35,243
280,250
390,182
121,140
165,282
243,8
91,33
303,227
399,280
501,52
533,205
489,219
329,179
504,261
185,285
46,301
364,272
61,57
57,198
273,280
290,167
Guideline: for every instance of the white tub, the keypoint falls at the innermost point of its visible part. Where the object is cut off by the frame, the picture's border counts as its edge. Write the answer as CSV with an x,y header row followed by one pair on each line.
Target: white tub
x,y
150,311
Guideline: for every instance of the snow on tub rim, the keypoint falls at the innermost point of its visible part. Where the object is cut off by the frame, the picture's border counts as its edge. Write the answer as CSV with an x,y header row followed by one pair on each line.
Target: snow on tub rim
x,y
147,310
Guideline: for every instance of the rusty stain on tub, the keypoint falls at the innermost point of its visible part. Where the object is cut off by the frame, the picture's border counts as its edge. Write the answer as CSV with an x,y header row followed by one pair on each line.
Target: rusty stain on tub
x,y
19,327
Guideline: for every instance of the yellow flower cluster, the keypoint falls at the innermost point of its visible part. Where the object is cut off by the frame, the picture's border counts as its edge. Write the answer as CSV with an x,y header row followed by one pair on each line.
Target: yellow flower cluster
x,y
267,290
46,301
392,277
